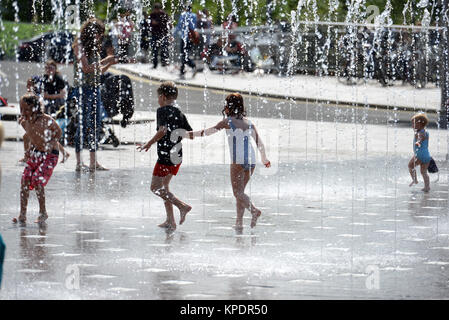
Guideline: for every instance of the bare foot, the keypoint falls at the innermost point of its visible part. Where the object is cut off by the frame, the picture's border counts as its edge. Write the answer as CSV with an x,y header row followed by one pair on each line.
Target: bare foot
x,y
98,167
256,216
425,189
238,228
167,225
42,217
65,156
413,182
21,218
81,167
183,213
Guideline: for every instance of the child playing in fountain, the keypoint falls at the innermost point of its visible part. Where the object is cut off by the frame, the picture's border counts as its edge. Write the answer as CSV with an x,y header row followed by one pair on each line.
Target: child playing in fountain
x,y
43,133
33,87
239,129
421,156
171,125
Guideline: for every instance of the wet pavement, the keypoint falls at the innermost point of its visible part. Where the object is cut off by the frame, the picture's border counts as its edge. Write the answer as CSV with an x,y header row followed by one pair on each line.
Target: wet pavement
x,y
339,221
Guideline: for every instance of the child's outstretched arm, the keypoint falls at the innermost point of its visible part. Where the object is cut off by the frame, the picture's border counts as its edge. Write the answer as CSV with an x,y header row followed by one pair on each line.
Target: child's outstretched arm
x,y
421,138
260,146
159,134
209,131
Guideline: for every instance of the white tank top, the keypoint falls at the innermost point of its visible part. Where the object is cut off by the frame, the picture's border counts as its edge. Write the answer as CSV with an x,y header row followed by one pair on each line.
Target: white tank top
x,y
240,148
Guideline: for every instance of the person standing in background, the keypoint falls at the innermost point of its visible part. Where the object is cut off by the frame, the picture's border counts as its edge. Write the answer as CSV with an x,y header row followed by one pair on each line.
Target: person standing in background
x,y
160,26
145,33
186,24
88,67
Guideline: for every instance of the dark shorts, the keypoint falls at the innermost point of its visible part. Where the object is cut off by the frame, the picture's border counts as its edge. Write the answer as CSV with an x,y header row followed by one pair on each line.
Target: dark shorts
x,y
162,170
39,168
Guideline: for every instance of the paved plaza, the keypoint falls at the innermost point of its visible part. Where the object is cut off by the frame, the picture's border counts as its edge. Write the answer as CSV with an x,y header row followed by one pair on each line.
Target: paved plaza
x,y
339,220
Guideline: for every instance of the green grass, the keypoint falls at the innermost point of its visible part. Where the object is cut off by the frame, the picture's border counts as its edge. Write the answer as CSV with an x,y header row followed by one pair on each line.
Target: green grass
x,y
13,32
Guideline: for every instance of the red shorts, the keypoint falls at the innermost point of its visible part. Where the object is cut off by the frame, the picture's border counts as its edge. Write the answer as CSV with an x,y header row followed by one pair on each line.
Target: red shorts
x,y
39,168
162,170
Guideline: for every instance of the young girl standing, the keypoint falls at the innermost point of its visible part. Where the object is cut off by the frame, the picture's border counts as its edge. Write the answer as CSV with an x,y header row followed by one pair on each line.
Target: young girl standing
x,y
239,129
87,70
421,156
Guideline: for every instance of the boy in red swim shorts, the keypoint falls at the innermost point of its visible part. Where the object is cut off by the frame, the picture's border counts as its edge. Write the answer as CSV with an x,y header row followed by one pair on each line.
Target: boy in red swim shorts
x,y
43,133
171,126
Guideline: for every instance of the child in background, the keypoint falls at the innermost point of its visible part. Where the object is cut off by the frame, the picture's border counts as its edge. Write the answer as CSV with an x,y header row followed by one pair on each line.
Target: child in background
x,y
2,136
421,155
170,121
33,87
243,159
43,133
2,244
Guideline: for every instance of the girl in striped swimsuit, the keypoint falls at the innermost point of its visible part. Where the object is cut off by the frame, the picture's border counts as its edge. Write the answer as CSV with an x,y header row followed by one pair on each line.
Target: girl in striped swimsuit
x,y
243,158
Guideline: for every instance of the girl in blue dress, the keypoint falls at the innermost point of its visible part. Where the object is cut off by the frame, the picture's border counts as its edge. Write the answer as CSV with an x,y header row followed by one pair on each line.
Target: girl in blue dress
x,y
421,156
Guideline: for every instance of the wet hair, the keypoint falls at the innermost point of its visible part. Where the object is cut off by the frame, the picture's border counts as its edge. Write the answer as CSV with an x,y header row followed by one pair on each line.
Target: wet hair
x,y
234,103
33,101
157,5
421,117
168,89
88,32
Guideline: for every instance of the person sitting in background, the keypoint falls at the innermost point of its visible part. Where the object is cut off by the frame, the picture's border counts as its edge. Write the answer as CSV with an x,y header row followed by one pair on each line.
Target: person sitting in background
x,y
54,93
227,53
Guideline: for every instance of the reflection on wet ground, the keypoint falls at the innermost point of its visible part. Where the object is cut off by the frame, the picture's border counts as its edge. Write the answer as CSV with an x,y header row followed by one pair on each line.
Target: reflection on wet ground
x,y
328,230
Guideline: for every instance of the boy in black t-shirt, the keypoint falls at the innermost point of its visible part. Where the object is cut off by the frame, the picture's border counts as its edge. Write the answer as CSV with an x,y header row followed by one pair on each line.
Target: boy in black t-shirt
x,y
171,127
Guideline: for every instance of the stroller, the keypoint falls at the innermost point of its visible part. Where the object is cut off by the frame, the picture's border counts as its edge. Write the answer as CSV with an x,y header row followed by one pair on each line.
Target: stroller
x,y
117,97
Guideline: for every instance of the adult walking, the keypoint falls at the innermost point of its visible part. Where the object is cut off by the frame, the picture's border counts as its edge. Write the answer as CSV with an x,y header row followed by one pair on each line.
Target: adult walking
x,y
186,24
160,33
87,70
